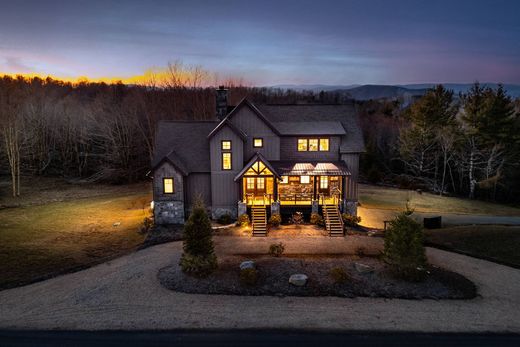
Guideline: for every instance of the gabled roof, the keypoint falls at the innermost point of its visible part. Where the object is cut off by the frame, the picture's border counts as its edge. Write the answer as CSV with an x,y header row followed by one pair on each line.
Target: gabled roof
x,y
226,122
257,157
351,142
290,168
184,144
246,103
310,128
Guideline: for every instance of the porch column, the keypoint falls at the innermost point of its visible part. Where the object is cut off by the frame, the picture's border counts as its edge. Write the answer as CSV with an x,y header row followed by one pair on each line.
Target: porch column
x,y
343,187
275,188
314,187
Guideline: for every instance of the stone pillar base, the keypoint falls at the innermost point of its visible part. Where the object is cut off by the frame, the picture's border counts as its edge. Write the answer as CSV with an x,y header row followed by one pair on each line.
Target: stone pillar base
x,y
315,206
351,207
241,208
275,207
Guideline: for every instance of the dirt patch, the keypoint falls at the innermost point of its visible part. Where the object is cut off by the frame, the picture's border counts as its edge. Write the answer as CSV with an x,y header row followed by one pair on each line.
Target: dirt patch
x,y
274,273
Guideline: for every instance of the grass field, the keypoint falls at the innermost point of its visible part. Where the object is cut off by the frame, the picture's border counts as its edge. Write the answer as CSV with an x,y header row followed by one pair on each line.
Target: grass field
x,y
395,199
42,240
491,242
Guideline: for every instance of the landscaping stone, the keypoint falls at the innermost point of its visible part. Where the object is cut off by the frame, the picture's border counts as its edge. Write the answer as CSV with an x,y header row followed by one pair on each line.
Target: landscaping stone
x,y
116,224
363,268
248,264
298,280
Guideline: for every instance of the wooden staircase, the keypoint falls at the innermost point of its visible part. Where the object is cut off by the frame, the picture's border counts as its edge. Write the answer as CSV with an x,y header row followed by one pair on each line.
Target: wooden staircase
x,y
333,220
259,220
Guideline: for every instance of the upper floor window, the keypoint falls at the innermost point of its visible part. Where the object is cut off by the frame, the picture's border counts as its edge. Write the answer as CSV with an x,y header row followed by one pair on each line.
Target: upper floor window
x,y
324,144
168,187
258,142
226,161
302,145
313,145
226,145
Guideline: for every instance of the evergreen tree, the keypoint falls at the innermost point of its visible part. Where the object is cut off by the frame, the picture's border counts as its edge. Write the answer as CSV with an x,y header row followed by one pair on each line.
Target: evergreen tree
x,y
199,256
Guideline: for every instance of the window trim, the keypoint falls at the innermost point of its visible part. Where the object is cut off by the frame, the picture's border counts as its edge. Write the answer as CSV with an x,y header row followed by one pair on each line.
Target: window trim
x,y
226,149
261,141
230,161
164,185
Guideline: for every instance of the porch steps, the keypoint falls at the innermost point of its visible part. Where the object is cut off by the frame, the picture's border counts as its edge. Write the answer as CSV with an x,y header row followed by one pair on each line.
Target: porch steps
x,y
333,220
259,220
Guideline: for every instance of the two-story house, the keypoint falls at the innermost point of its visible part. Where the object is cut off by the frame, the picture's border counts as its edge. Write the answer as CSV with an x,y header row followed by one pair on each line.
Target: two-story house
x,y
276,158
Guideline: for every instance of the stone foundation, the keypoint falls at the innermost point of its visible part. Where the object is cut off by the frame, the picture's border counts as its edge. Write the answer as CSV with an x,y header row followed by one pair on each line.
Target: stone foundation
x,y
315,206
168,212
350,207
275,207
218,212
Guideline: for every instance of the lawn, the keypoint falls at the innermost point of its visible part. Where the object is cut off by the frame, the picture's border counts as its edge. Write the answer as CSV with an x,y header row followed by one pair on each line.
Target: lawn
x,y
395,199
48,238
492,242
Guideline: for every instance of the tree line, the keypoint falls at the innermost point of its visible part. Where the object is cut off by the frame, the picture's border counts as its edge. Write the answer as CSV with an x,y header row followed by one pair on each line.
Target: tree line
x,y
89,131
466,144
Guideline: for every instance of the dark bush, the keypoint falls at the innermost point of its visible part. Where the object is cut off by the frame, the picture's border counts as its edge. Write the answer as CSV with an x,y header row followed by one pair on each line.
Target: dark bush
x,y
243,220
276,249
225,219
275,219
316,219
350,220
404,248
248,277
339,275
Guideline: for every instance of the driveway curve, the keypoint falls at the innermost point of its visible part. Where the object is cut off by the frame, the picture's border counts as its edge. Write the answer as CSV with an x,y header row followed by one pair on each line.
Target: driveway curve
x,y
125,294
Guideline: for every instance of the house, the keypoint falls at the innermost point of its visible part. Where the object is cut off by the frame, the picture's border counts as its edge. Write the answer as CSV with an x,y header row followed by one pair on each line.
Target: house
x,y
259,159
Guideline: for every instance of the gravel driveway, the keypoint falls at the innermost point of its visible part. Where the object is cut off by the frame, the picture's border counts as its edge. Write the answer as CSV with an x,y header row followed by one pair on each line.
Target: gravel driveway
x,y
125,294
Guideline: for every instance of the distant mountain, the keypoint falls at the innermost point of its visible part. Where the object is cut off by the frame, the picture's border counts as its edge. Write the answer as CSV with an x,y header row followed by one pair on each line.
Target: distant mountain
x,y
406,91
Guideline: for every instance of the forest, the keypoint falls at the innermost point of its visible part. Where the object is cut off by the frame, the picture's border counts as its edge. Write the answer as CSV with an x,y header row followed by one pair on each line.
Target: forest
x,y
465,144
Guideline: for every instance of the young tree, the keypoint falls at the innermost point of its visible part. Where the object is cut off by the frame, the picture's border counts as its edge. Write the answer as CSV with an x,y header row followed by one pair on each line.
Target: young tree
x,y
199,257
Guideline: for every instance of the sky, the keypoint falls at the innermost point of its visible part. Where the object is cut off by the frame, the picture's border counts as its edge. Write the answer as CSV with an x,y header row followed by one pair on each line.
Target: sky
x,y
267,42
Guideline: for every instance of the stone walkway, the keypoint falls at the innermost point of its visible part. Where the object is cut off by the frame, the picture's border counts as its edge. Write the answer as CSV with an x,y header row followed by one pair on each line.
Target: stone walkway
x,y
125,294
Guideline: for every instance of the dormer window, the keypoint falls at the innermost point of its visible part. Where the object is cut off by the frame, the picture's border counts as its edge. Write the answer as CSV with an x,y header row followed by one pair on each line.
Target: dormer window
x,y
226,145
258,142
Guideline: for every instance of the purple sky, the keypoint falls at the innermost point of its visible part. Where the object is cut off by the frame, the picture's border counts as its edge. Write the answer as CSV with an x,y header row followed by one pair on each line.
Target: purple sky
x,y
267,42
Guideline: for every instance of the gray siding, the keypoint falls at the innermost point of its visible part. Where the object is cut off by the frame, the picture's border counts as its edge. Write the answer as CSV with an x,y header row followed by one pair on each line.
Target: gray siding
x,y
167,170
247,121
198,184
224,190
352,161
289,149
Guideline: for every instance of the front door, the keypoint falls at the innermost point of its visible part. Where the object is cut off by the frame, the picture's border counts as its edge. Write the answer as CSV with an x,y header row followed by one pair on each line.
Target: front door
x,y
255,186
324,186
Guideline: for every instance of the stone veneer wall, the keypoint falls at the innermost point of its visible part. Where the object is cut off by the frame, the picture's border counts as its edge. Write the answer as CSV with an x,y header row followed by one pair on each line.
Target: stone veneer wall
x,y
168,208
169,212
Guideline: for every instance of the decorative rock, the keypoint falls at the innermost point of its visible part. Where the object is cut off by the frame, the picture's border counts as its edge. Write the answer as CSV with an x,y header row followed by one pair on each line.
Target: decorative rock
x,y
248,264
116,224
363,268
298,280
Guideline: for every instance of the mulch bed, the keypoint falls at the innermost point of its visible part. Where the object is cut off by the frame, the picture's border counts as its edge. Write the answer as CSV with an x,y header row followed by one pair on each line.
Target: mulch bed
x,y
274,273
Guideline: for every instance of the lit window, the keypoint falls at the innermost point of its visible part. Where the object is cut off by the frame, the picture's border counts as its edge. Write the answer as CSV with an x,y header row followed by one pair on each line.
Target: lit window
x,y
302,145
250,183
226,145
324,144
324,182
260,183
226,161
305,179
258,143
168,186
285,180
313,145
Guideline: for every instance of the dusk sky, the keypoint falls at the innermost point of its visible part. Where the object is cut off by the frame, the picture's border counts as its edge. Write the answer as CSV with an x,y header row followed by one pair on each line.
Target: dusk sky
x,y
267,42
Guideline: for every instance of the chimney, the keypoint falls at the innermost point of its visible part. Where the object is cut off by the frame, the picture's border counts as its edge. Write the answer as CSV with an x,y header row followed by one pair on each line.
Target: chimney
x,y
222,102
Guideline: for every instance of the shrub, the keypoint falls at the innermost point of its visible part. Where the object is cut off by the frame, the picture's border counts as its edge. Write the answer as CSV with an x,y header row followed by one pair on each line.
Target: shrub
x,y
339,275
360,251
225,219
297,218
248,277
199,257
276,249
350,220
404,248
316,219
147,225
275,219
243,220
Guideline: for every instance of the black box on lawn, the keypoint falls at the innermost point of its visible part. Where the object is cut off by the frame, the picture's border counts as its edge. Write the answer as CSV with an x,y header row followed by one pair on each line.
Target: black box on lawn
x,y
433,222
